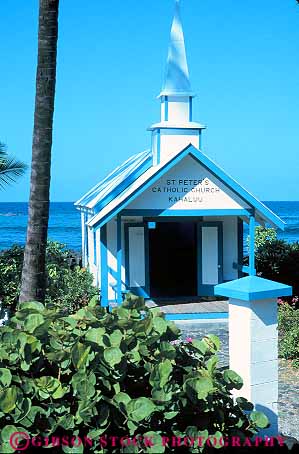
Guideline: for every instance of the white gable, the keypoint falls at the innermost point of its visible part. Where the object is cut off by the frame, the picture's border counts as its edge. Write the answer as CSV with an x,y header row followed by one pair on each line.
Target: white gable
x,y
188,185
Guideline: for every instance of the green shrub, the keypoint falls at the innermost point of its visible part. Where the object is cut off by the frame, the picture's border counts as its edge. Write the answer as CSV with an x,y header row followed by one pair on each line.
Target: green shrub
x,y
68,286
263,235
288,324
57,254
278,260
118,373
11,262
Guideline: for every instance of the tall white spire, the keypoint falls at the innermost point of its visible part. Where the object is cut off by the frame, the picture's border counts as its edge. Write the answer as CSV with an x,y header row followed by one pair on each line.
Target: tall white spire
x,y
177,74
176,129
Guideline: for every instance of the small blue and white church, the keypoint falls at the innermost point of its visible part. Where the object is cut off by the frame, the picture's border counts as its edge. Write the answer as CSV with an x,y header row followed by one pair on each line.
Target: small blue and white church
x,y
168,222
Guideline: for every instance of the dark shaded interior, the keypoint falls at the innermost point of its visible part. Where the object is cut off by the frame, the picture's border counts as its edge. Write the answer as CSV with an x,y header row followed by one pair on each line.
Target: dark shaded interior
x,y
173,259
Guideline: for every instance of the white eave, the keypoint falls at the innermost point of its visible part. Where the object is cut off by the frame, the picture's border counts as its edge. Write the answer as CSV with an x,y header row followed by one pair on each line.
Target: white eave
x,y
169,125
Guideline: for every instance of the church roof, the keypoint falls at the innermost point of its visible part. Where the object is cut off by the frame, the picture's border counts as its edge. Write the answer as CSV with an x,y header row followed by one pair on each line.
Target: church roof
x,y
177,82
153,173
117,181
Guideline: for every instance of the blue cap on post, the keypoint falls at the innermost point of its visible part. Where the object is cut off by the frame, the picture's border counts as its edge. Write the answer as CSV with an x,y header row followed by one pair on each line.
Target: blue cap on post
x,y
252,288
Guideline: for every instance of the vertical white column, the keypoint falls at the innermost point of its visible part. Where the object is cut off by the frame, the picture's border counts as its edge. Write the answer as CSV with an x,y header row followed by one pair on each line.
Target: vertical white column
x,y
252,271
90,248
253,351
253,340
84,239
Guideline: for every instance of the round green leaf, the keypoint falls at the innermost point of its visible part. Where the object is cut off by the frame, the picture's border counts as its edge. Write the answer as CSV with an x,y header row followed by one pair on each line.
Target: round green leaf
x,y
192,431
244,404
84,386
24,409
67,422
153,443
141,408
123,398
80,354
167,350
213,342
161,373
94,302
130,449
32,321
8,398
200,346
74,449
165,369
29,420
160,325
212,363
217,440
233,380
199,387
116,338
42,329
259,419
159,396
170,414
31,306
5,376
134,356
6,433
95,335
113,356
49,387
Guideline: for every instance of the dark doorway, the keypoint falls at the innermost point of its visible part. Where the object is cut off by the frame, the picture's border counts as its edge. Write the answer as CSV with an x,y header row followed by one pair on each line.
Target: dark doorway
x,y
173,259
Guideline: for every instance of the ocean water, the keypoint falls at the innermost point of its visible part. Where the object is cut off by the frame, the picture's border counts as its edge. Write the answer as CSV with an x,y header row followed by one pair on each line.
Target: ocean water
x,y
64,224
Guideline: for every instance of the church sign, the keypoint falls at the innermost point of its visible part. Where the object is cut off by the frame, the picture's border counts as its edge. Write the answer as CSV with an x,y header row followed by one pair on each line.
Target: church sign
x,y
189,185
186,190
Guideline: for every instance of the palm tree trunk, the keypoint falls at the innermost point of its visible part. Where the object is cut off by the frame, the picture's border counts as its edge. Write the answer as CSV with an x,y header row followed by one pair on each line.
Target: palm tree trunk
x,y
33,273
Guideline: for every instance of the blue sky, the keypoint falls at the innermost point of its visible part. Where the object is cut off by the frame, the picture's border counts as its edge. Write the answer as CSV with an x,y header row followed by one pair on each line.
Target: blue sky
x,y
243,62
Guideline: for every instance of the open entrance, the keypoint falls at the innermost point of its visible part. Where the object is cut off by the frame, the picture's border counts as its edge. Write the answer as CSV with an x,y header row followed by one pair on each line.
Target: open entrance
x,y
173,259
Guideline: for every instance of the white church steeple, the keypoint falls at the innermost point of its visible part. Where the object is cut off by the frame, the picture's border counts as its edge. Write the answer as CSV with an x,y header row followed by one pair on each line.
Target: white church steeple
x,y
176,129
177,81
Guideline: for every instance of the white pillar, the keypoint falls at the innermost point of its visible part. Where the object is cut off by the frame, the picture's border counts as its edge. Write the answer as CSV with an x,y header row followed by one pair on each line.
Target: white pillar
x,y
84,240
253,354
253,341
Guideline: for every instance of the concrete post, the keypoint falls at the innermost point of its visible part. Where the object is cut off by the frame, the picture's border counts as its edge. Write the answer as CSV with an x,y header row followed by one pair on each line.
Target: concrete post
x,y
253,353
253,341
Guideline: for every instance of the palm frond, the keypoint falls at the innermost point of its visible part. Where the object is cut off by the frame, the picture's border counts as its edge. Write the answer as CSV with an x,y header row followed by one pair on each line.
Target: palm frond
x,y
2,149
10,168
